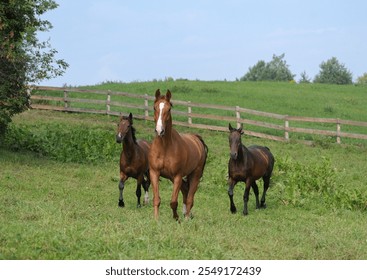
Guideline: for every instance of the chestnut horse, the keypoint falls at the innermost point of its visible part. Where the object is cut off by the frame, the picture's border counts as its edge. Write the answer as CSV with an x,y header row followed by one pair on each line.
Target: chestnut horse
x,y
133,159
178,157
248,164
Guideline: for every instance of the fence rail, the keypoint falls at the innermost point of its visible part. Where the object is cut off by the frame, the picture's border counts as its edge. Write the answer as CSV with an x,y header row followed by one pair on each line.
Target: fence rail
x,y
284,124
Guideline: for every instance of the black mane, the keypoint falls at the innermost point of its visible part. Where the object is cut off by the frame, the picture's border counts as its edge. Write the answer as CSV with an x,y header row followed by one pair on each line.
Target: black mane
x,y
132,129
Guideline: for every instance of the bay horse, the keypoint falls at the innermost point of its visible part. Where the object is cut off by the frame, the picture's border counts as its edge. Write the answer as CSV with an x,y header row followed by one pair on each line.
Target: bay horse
x,y
178,157
133,159
248,164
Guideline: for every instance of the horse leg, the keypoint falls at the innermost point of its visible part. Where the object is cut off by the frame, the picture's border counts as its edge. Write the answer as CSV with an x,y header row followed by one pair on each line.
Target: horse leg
x,y
231,184
154,178
146,184
184,191
266,186
123,178
121,188
177,182
193,186
139,182
246,196
256,192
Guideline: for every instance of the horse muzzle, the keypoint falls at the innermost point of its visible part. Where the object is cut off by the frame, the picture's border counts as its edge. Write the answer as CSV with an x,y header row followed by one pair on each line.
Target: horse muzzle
x,y
160,132
233,155
159,129
119,138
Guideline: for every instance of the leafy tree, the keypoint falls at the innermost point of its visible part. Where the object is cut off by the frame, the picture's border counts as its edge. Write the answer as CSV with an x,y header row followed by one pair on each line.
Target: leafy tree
x,y
256,72
275,70
333,72
362,80
24,60
304,78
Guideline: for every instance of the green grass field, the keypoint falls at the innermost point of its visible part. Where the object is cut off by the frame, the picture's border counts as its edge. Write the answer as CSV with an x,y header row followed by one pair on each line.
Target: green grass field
x,y
58,203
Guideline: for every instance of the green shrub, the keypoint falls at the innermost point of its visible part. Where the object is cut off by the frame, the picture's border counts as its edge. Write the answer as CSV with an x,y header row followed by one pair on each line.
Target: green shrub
x,y
71,144
300,184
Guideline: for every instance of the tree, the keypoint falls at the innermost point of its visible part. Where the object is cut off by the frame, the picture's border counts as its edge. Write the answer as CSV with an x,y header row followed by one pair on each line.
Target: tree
x,y
304,78
256,72
362,80
333,72
24,60
275,70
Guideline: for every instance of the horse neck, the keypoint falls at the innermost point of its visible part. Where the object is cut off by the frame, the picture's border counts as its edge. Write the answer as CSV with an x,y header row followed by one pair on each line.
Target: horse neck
x,y
243,153
128,145
169,131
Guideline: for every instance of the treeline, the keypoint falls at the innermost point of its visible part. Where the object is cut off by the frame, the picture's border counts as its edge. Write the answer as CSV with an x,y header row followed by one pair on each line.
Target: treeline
x,y
331,72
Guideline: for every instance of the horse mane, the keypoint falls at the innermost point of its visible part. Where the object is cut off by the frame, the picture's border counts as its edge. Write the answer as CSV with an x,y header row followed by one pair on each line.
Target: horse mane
x,y
132,129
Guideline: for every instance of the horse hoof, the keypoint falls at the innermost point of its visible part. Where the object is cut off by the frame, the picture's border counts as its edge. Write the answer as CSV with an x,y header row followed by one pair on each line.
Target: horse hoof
x,y
138,206
188,217
263,206
245,213
121,203
233,210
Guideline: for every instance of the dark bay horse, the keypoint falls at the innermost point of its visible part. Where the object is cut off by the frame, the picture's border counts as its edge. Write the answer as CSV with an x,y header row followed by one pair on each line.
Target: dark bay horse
x,y
133,159
248,164
178,157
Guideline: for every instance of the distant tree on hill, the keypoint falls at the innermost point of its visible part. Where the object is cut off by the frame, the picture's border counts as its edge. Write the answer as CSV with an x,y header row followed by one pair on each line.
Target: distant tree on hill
x,y
275,70
24,59
304,78
333,72
362,80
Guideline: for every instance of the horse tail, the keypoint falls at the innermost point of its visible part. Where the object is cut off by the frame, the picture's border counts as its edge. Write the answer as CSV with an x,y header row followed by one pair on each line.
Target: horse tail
x,y
206,149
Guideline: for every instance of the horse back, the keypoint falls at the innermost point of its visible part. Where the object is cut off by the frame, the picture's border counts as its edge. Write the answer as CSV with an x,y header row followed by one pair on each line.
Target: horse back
x,y
196,147
263,158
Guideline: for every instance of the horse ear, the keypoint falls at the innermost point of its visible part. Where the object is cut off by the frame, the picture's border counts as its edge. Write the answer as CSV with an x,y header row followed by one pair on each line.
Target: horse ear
x,y
131,118
157,94
230,127
168,95
240,130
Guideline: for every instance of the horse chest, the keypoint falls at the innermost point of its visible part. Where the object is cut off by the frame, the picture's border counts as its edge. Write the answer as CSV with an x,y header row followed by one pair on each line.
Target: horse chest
x,y
239,171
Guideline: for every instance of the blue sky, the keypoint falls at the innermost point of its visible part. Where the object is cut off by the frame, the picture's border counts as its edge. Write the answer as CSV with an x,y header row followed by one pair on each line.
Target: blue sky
x,y
132,40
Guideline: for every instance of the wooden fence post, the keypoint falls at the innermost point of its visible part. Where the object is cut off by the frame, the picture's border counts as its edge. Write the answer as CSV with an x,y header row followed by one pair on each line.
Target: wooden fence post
x,y
146,107
66,104
286,126
238,116
108,102
338,128
189,112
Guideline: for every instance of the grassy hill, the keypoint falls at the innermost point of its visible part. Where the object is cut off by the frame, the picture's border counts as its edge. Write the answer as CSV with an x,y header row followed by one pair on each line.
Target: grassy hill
x,y
310,100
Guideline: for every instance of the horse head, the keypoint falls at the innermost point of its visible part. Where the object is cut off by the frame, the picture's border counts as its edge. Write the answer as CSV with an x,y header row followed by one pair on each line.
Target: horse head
x,y
234,140
162,112
123,127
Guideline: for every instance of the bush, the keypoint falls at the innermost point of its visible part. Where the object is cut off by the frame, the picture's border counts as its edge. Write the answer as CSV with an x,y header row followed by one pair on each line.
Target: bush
x,y
299,184
76,144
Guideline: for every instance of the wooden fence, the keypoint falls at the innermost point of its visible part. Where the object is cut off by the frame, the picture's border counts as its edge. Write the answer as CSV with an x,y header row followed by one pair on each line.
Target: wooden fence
x,y
283,125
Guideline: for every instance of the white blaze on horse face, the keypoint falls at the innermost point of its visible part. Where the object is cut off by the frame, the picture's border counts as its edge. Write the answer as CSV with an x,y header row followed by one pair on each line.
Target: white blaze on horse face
x,y
159,126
